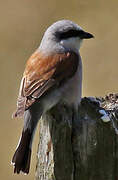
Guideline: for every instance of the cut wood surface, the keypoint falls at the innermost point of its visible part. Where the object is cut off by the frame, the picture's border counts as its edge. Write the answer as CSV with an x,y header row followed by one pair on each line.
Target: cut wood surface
x,y
86,149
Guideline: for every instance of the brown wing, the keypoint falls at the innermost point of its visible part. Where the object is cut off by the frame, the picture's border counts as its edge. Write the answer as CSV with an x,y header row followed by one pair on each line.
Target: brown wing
x,y
43,73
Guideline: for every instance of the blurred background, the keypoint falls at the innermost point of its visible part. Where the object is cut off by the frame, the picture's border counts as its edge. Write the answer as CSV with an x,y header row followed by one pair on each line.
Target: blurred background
x,y
22,24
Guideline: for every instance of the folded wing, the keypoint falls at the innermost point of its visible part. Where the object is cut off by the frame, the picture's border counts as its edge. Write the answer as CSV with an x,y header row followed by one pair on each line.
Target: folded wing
x,y
43,73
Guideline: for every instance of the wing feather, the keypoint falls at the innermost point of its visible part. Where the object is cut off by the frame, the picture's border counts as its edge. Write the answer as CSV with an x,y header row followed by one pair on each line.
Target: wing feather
x,y
41,74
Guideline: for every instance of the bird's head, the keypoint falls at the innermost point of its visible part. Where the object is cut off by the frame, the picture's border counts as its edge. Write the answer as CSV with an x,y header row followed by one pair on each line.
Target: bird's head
x,y
65,34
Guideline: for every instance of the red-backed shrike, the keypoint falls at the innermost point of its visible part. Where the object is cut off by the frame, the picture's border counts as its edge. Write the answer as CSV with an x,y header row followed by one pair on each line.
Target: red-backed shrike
x,y
52,74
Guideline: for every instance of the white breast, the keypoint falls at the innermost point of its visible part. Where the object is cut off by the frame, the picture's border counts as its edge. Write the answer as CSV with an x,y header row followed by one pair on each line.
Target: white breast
x,y
72,90
69,93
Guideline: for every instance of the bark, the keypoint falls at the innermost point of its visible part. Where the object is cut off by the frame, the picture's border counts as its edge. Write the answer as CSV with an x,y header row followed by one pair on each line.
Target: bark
x,y
79,148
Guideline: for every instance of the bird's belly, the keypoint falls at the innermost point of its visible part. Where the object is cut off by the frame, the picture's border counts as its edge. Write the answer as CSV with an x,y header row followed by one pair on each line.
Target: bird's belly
x,y
69,93
73,88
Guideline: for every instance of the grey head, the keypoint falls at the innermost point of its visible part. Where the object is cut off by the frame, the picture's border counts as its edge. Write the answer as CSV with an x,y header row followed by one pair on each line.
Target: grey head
x,y
63,35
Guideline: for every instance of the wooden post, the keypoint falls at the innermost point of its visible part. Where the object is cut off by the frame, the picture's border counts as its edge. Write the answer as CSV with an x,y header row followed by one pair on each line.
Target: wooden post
x,y
82,150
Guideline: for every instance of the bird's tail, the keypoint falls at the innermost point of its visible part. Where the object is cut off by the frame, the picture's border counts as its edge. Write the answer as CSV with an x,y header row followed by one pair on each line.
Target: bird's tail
x,y
22,156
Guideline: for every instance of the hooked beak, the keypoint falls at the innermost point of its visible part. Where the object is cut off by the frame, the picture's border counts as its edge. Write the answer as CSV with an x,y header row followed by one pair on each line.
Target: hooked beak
x,y
85,35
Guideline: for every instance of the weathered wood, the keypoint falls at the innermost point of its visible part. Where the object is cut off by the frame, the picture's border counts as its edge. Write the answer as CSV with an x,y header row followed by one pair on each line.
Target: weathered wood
x,y
86,149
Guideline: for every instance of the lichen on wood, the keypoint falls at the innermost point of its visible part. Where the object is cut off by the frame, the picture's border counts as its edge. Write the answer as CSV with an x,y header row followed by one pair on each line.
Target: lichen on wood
x,y
86,149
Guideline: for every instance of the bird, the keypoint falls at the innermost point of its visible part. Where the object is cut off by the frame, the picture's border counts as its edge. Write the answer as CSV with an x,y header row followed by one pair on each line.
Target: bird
x,y
52,74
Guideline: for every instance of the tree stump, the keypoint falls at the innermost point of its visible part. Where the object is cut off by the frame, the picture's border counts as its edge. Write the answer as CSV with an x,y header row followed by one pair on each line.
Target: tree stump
x,y
86,149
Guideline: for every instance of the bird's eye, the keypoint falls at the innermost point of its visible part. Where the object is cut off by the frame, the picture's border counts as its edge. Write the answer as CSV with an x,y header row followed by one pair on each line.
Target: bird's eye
x,y
68,34
74,33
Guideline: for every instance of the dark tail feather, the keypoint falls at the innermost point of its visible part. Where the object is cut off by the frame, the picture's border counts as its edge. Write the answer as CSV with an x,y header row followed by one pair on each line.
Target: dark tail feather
x,y
22,155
